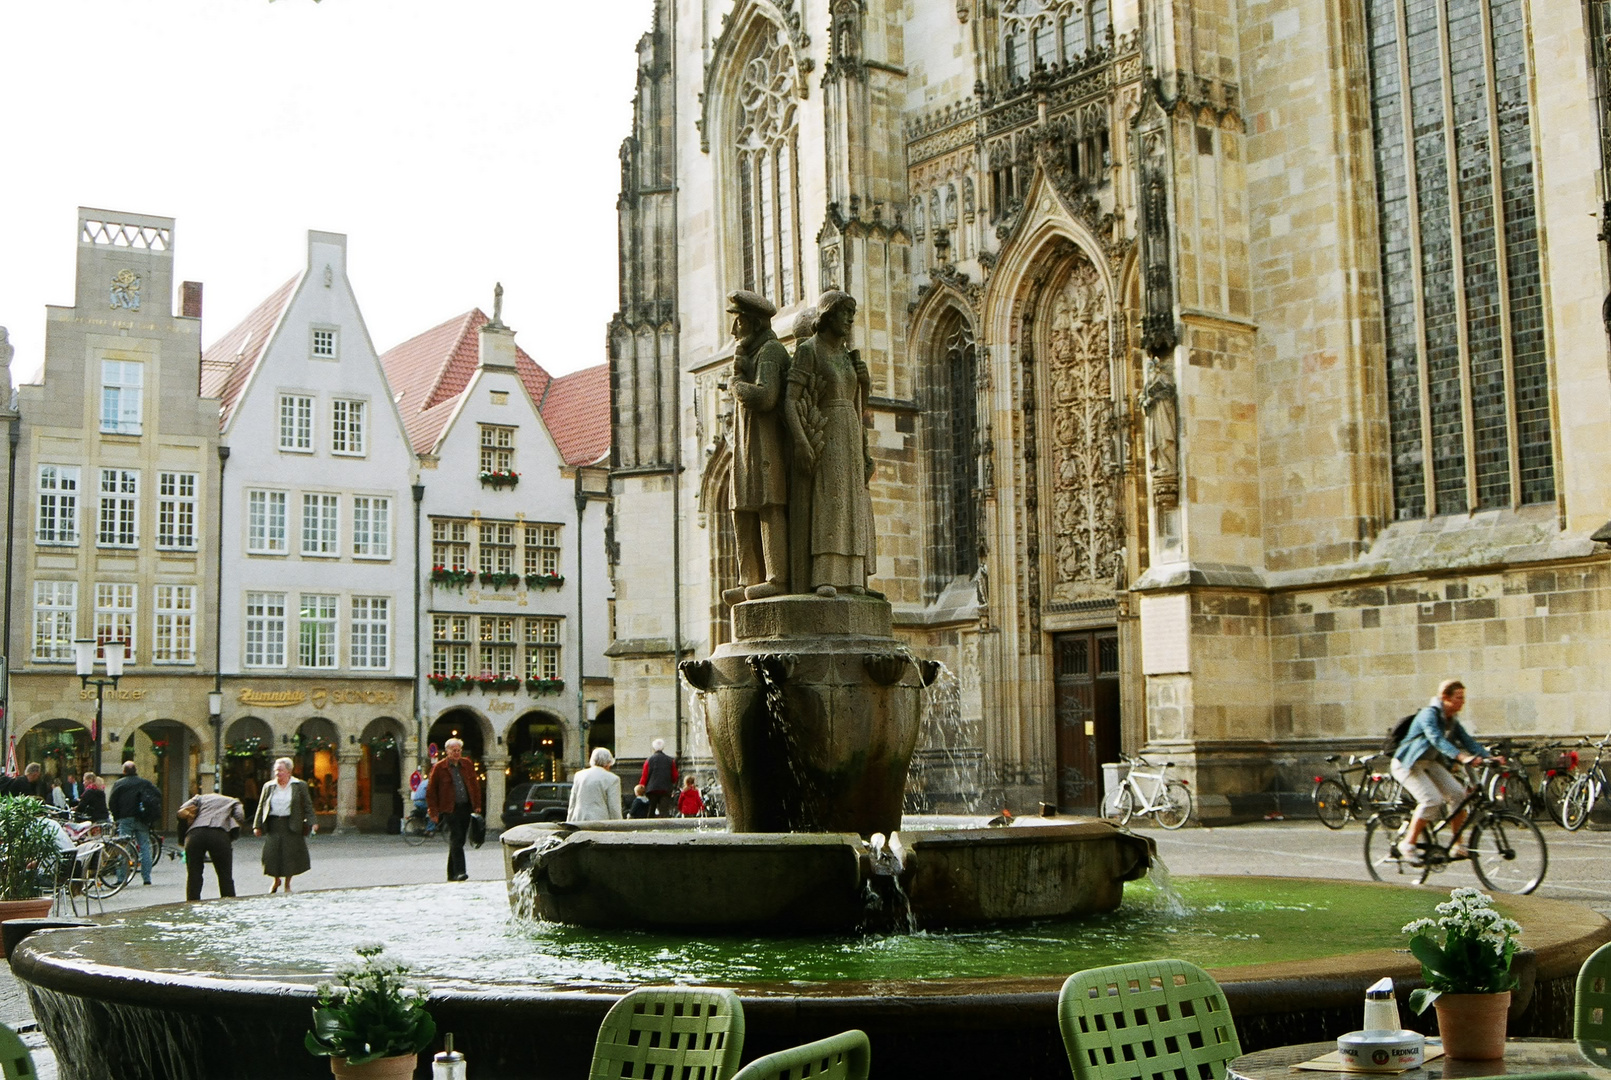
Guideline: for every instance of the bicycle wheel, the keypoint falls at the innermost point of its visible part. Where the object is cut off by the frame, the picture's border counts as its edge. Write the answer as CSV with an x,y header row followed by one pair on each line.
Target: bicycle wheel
x,y
1508,853
1555,789
1580,799
116,869
1175,807
414,830
1121,805
1332,804
1512,791
1382,856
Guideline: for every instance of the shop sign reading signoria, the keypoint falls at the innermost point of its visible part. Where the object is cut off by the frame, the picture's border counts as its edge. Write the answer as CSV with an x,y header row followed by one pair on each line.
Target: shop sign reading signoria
x,y
318,696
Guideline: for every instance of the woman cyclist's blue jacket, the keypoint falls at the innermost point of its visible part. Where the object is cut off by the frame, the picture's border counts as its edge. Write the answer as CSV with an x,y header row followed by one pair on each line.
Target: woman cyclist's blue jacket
x,y
1426,733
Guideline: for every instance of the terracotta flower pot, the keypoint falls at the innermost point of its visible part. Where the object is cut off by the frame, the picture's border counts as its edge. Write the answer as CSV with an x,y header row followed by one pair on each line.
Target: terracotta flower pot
x,y
24,909
398,1067
1472,1025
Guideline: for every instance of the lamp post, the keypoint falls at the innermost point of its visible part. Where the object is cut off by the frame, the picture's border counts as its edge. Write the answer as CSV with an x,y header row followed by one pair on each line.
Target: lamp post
x,y
84,651
215,717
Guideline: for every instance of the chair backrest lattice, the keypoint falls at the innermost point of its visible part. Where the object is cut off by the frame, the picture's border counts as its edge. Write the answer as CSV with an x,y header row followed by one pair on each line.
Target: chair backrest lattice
x,y
670,1033
846,1056
1154,1020
1591,1023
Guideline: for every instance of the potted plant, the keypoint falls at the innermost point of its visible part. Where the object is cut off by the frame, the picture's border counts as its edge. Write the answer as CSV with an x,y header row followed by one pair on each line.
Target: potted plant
x,y
1468,977
28,859
372,1024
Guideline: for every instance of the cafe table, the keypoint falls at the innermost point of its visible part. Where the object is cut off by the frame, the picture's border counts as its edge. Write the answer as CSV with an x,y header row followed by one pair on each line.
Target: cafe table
x,y
1521,1056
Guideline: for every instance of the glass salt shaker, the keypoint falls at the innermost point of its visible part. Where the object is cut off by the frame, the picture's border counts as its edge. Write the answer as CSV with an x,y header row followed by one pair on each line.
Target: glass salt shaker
x,y
449,1064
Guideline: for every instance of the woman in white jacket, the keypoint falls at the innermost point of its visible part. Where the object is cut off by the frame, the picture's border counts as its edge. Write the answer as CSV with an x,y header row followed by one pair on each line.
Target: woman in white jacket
x,y
596,791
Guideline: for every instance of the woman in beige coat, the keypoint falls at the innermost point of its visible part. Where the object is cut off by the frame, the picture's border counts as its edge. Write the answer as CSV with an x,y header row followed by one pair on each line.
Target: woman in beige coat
x,y
285,815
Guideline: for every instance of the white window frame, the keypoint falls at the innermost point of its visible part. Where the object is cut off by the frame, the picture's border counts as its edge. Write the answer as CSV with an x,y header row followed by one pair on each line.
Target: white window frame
x,y
370,618
296,423
173,638
55,621
267,522
265,630
542,548
347,426
176,511
56,522
122,396
317,633
116,614
119,509
497,448
324,348
321,525
371,527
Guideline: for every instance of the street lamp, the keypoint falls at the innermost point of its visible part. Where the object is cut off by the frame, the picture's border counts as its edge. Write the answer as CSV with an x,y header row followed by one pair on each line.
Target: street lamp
x,y
84,651
215,717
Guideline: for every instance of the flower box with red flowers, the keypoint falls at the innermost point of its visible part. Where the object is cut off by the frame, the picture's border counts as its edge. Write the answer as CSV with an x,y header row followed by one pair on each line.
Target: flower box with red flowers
x,y
447,575
499,478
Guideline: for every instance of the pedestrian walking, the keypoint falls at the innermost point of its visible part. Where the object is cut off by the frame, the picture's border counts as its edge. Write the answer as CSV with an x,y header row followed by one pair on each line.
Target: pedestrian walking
x,y
215,822
285,816
136,806
690,802
596,791
659,778
454,793
92,803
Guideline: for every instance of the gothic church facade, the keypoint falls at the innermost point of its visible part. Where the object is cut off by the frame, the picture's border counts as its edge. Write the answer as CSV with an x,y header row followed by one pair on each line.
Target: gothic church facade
x,y
1238,366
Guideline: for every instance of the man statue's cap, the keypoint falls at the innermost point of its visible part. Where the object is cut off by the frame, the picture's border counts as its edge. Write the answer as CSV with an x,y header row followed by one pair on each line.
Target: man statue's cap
x,y
745,302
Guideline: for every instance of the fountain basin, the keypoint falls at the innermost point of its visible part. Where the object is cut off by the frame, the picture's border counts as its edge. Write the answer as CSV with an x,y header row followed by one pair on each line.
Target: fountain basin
x,y
604,875
224,988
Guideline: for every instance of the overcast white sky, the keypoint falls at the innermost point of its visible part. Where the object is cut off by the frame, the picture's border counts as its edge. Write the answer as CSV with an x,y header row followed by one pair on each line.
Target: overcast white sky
x,y
456,143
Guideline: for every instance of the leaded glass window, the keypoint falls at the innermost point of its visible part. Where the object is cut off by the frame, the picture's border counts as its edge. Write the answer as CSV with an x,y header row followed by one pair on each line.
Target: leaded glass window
x,y
951,409
1467,374
768,175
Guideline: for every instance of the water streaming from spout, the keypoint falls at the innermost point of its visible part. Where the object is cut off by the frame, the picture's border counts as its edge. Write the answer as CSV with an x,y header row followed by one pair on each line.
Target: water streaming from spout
x,y
1168,896
948,772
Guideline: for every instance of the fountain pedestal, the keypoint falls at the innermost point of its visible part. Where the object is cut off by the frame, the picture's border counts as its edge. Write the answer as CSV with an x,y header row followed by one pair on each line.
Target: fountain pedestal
x,y
813,714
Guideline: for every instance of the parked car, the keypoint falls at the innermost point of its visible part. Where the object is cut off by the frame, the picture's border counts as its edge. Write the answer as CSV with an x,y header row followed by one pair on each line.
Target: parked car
x,y
528,802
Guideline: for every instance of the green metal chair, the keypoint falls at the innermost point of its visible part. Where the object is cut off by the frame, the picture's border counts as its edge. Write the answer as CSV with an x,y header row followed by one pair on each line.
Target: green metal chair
x,y
845,1056
16,1062
1155,1019
670,1033
1591,1026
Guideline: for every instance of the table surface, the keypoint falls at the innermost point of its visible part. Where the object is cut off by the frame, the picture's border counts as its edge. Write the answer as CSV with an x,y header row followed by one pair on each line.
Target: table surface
x,y
1521,1056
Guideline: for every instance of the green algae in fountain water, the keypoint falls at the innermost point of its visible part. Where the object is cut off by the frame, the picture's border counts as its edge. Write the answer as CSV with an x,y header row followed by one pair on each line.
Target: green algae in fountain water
x,y
1228,921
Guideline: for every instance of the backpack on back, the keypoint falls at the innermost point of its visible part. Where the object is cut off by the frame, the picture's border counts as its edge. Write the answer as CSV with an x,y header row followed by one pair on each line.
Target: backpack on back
x,y
1397,733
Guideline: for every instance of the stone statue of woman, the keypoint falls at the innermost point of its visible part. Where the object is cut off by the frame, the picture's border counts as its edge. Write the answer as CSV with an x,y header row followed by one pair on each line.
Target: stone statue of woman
x,y
830,512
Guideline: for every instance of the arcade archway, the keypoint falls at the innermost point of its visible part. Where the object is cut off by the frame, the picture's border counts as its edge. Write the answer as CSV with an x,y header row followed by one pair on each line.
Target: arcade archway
x,y
248,759
61,747
536,748
313,758
380,773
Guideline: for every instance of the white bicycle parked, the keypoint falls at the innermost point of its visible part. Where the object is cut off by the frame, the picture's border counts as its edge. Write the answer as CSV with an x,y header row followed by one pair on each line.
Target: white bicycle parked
x,y
1149,794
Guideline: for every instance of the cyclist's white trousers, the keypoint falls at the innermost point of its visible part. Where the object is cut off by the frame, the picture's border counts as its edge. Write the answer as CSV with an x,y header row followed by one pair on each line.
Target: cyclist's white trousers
x,y
1431,784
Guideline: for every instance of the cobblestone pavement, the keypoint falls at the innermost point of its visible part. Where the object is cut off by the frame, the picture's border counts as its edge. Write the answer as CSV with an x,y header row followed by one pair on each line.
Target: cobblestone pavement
x,y
1578,870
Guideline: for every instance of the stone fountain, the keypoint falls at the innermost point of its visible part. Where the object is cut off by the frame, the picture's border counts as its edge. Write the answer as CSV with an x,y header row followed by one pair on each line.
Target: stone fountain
x,y
812,711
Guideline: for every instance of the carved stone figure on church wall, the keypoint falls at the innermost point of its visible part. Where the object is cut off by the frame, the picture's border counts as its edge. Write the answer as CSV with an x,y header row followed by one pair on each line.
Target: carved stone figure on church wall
x,y
1085,521
759,488
831,513
1160,403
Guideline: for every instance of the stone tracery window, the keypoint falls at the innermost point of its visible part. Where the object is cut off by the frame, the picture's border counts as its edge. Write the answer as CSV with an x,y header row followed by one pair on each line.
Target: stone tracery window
x,y
1051,32
767,145
1467,370
950,408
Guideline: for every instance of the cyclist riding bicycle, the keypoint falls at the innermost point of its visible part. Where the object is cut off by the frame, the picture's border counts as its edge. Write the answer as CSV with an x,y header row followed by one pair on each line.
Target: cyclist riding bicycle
x,y
1435,736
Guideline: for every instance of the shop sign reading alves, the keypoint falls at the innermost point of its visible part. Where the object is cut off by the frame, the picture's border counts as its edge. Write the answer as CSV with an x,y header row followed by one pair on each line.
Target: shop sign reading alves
x,y
319,696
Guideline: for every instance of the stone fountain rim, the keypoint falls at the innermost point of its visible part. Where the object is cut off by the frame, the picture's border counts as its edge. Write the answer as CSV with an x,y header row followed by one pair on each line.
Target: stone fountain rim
x,y
54,960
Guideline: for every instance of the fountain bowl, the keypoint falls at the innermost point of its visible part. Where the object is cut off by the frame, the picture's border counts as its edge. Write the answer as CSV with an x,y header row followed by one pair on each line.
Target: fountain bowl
x,y
112,1006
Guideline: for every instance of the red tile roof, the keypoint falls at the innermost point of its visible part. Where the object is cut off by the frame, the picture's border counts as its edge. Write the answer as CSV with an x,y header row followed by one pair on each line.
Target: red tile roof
x,y
577,412
429,371
227,363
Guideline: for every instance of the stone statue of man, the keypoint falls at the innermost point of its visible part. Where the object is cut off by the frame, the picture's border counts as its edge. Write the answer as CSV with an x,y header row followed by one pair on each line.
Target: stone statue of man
x,y
760,480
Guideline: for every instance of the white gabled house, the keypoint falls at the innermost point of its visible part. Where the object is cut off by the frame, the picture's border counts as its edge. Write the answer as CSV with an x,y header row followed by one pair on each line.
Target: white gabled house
x,y
317,649
513,463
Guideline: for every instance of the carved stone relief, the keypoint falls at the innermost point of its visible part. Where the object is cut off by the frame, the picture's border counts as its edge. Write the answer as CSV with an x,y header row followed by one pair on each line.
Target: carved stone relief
x,y
1084,510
